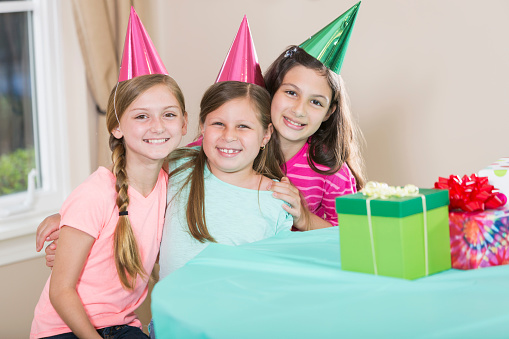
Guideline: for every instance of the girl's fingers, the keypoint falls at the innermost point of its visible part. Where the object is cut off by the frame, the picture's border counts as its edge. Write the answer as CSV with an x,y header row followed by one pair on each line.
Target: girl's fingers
x,y
45,231
51,249
290,199
293,211
285,188
50,260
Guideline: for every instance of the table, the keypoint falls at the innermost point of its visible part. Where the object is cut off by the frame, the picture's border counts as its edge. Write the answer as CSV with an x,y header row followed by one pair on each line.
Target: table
x,y
292,286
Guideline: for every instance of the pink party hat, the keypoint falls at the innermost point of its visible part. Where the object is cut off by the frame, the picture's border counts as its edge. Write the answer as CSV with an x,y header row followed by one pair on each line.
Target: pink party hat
x,y
140,56
241,62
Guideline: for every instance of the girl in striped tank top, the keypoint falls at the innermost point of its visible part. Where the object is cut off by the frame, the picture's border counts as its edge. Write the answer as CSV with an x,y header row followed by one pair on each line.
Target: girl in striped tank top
x,y
319,140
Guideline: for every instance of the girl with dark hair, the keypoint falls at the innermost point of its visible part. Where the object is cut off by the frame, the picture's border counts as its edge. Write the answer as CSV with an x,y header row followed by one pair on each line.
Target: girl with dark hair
x,y
318,138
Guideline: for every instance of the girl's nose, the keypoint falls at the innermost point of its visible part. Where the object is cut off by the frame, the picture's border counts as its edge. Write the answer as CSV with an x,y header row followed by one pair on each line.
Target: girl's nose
x,y
299,109
230,134
157,126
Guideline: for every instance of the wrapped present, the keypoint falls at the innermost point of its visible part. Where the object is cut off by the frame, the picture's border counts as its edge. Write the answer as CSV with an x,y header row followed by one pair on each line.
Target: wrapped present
x,y
478,222
397,234
498,175
479,239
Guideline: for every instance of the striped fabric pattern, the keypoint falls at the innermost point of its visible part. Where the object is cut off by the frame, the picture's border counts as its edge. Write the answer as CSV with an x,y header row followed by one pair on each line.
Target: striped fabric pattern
x,y
319,190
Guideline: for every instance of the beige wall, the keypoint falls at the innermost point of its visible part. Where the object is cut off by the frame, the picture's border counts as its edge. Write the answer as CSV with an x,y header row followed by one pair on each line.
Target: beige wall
x,y
428,81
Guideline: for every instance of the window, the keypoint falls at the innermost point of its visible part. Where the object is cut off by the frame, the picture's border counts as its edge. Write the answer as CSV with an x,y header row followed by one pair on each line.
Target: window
x,y
17,112
34,170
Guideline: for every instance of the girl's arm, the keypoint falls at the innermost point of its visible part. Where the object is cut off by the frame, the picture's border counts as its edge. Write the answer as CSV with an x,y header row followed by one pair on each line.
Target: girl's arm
x,y
314,223
73,249
303,219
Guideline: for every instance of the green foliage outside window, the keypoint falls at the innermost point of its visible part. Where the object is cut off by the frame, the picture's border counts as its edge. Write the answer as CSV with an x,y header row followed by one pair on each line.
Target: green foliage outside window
x,y
14,169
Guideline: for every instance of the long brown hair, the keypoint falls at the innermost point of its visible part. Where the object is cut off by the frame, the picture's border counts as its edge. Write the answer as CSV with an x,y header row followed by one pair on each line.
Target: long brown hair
x,y
127,255
338,138
265,162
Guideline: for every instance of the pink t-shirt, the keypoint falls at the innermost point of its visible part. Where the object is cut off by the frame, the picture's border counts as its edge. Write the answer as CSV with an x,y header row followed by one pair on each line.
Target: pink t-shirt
x,y
91,208
319,190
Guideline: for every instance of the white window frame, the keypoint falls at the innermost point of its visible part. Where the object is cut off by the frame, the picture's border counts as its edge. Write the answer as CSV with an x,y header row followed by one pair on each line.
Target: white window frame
x,y
17,232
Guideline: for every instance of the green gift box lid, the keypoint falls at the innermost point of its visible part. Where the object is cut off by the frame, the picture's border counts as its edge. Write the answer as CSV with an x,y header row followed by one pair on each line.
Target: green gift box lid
x,y
393,206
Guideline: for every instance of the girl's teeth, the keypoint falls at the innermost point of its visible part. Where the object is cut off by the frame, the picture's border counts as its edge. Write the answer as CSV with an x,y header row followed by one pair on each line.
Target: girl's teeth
x,y
156,141
229,151
293,122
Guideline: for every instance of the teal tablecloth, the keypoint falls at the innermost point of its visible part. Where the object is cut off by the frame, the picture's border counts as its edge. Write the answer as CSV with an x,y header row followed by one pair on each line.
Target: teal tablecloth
x,y
292,286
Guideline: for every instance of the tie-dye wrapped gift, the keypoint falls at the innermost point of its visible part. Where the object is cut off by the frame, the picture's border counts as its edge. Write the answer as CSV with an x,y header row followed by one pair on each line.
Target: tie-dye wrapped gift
x,y
478,222
479,239
498,175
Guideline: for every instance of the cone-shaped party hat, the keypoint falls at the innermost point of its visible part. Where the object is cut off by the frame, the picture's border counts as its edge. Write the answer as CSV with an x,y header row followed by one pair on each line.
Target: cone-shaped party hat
x,y
140,56
330,43
241,62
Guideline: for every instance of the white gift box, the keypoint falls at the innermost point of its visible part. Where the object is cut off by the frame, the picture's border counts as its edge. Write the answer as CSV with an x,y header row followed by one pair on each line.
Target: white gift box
x,y
498,175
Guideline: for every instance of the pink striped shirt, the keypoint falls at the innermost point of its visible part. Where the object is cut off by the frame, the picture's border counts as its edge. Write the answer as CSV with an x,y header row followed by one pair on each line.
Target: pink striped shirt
x,y
319,190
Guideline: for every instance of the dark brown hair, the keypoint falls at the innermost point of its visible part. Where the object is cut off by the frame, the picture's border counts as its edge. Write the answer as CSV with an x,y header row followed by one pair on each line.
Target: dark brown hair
x,y
265,162
338,138
127,255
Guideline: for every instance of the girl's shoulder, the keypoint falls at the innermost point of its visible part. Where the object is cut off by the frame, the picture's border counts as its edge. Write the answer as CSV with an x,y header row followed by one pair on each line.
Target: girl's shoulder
x,y
100,185
101,179
95,197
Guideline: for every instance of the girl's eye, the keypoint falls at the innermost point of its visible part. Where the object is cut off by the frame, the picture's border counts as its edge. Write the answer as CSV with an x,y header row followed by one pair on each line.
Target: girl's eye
x,y
217,123
316,102
170,115
292,93
141,116
244,126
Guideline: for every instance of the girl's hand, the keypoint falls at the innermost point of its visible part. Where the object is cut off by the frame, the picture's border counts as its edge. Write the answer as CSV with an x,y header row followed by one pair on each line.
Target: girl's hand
x,y
47,231
285,191
51,250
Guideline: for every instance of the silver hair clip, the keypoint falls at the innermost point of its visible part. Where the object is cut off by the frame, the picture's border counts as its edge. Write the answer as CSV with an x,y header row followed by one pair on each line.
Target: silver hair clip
x,y
289,53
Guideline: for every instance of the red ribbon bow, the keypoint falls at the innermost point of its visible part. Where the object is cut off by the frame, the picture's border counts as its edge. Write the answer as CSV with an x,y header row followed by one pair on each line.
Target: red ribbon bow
x,y
471,193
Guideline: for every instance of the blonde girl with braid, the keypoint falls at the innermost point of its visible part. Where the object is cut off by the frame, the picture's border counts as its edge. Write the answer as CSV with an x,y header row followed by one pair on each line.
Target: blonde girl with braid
x,y
111,225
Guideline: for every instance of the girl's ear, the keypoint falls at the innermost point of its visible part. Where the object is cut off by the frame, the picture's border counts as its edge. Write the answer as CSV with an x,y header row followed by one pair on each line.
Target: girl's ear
x,y
184,126
117,133
268,134
332,109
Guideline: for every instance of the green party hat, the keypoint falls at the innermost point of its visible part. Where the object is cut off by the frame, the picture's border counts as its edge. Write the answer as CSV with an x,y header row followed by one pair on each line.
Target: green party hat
x,y
330,43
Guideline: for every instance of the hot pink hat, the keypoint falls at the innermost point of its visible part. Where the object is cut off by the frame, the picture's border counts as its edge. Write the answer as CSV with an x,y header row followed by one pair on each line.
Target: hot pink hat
x,y
140,56
241,63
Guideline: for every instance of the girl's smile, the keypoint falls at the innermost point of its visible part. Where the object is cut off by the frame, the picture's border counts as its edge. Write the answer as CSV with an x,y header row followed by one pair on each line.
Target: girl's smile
x,y
157,141
228,152
293,124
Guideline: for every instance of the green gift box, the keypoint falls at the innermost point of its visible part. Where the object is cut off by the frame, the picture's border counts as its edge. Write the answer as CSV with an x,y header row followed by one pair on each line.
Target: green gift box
x,y
395,244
